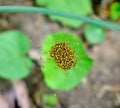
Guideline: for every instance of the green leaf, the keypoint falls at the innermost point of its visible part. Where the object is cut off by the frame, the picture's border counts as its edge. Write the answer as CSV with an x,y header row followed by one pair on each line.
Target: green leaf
x,y
48,106
115,11
50,99
79,7
14,64
55,78
94,34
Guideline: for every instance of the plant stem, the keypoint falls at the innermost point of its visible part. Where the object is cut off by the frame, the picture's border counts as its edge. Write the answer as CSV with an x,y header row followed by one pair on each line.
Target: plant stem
x,y
59,13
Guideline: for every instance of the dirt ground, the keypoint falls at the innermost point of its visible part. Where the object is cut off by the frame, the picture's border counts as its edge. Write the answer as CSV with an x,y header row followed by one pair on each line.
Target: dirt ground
x,y
101,87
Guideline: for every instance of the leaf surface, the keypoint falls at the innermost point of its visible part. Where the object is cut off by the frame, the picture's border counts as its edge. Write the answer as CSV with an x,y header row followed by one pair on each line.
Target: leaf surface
x,y
94,34
14,64
55,78
79,7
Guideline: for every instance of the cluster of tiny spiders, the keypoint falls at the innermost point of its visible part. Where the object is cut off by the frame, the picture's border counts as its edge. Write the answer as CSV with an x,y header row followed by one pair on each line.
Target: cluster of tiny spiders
x,y
63,55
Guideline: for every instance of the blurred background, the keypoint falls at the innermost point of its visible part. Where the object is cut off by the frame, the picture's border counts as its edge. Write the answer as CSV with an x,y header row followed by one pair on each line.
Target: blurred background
x,y
101,87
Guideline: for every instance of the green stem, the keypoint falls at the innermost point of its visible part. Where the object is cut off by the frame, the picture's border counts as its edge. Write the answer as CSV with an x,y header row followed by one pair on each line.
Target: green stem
x,y
59,13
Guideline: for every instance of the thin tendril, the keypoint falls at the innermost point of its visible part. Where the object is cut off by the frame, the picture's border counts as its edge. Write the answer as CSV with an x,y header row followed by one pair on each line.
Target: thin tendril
x,y
59,13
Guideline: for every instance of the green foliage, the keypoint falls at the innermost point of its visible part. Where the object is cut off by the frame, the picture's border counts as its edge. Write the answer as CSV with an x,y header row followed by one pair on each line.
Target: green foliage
x,y
79,7
55,78
115,11
50,99
14,64
94,34
49,107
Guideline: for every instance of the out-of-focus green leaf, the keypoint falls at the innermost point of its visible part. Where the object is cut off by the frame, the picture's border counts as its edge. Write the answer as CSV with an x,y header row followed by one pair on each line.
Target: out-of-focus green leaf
x,y
79,7
94,34
115,11
55,78
49,106
14,64
50,99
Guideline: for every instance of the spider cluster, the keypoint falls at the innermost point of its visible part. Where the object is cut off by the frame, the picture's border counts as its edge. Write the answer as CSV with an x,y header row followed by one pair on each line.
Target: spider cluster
x,y
63,55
